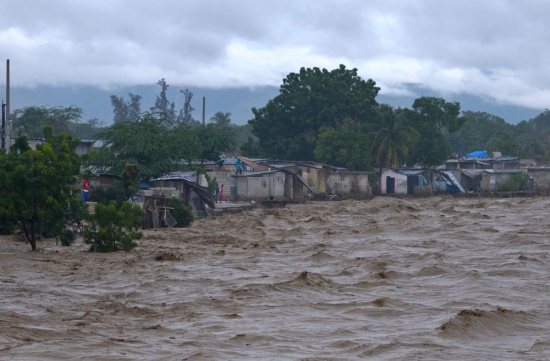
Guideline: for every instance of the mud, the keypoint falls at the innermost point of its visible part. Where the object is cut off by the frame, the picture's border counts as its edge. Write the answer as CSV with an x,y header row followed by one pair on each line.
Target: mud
x,y
385,279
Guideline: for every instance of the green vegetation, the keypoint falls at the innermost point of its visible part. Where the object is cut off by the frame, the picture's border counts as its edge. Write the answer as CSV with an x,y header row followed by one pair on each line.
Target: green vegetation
x,y
310,101
345,147
112,228
182,214
35,185
517,182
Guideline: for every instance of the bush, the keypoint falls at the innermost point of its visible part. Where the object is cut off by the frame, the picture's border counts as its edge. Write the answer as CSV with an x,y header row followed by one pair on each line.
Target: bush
x,y
67,237
113,228
182,214
517,182
114,192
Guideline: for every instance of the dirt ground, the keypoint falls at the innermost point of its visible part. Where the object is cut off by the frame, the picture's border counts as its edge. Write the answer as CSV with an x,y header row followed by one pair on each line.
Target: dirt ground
x,y
384,279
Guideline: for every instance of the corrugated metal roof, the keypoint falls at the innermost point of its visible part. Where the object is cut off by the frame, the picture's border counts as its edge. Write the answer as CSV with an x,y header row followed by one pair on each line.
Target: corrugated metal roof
x,y
188,176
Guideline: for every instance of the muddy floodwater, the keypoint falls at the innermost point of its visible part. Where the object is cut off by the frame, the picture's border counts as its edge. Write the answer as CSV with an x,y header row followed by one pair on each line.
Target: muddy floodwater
x,y
385,279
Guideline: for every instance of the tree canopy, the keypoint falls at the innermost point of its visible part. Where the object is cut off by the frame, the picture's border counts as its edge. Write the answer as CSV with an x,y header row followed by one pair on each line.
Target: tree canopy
x,y
289,125
35,185
345,147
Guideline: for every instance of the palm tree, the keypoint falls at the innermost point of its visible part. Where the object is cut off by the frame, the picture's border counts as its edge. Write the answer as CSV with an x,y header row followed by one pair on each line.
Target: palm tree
x,y
391,138
222,119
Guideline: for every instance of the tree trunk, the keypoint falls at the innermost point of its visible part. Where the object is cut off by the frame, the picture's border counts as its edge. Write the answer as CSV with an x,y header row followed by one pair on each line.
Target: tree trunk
x,y
32,239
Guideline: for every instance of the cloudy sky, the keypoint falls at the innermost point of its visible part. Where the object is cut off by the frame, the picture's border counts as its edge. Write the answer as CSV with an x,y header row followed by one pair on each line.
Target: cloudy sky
x,y
496,49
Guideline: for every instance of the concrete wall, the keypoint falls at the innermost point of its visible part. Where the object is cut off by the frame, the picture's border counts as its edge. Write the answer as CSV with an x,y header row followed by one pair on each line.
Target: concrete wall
x,y
162,191
490,181
348,184
255,188
541,177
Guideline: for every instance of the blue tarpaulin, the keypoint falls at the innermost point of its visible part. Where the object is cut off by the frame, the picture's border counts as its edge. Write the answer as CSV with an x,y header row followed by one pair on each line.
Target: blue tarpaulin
x,y
479,154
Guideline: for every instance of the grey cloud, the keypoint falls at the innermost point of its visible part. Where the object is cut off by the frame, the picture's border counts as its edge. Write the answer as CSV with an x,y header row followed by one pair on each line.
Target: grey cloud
x,y
109,42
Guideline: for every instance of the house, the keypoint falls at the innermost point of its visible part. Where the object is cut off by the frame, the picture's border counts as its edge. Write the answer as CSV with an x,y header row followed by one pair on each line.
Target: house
x,y
189,186
405,181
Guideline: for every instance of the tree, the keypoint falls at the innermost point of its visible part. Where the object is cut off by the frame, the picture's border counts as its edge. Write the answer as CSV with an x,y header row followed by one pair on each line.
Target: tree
x,y
182,214
146,142
213,140
30,121
126,111
391,138
163,106
35,185
345,147
431,117
289,125
113,228
221,119
185,116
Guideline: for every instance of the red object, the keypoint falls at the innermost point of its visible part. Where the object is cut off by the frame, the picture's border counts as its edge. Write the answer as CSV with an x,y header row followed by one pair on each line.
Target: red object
x,y
221,194
85,185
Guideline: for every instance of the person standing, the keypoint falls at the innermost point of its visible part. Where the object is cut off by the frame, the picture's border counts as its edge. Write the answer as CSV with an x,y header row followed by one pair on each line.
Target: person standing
x,y
217,194
85,189
221,194
239,166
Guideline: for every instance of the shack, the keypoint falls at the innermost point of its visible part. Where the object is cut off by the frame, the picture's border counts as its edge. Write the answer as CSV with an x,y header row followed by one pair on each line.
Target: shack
x,y
184,185
406,181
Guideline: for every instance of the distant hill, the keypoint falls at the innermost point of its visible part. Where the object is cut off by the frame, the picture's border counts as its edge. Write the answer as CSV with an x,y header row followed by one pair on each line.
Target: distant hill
x,y
96,102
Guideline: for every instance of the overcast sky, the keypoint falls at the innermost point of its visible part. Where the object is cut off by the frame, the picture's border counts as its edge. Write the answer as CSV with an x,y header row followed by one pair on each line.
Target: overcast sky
x,y
496,49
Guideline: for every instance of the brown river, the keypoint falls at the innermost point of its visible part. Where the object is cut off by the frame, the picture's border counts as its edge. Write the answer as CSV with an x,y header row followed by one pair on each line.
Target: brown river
x,y
385,279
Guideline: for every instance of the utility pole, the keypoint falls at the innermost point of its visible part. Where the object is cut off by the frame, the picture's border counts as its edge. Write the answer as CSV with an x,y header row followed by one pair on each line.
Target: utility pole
x,y
3,125
203,110
6,123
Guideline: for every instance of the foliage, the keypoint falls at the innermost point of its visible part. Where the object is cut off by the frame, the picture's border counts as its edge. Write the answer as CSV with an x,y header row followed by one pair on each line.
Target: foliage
x,y
251,148
345,147
517,182
289,125
221,119
145,142
67,237
213,140
35,185
30,121
182,214
126,111
115,192
130,180
185,115
391,138
431,117
113,228
76,214
163,106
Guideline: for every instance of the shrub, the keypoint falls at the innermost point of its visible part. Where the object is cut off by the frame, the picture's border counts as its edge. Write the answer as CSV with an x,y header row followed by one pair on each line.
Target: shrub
x,y
517,182
67,237
182,214
114,192
113,228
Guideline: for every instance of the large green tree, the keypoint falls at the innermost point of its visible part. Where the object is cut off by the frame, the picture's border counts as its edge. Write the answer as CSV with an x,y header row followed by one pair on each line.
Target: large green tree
x,y
35,185
289,125
146,142
345,147
432,117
